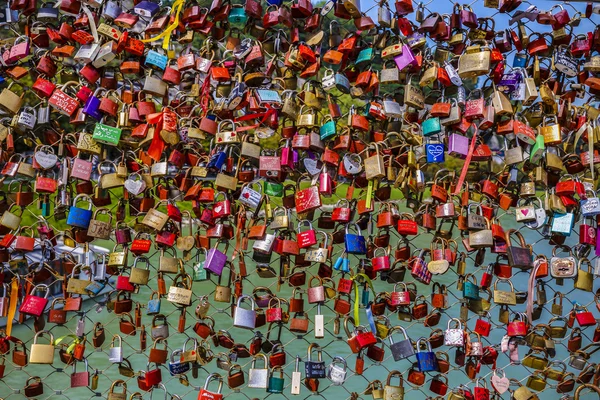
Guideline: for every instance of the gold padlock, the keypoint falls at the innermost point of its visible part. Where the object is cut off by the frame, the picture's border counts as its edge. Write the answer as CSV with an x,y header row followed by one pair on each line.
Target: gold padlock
x,y
11,220
474,62
155,219
117,258
374,165
551,132
306,119
168,264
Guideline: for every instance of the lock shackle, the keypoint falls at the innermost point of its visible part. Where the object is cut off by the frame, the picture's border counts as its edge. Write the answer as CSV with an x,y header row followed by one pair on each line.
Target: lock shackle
x,y
187,340
314,346
116,336
455,320
419,344
212,377
41,333
504,281
246,297
259,355
75,365
398,328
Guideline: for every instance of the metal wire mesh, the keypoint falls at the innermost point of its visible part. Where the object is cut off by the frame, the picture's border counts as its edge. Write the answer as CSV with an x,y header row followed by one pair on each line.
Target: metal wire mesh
x,y
56,377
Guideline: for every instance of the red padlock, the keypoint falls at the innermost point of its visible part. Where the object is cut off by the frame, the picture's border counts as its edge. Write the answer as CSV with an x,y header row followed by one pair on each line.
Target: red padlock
x,y
306,238
518,326
380,262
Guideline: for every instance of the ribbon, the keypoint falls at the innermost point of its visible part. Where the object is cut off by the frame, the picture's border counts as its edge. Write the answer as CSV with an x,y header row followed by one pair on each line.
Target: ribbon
x,y
356,295
91,20
531,288
157,146
465,168
166,34
71,346
12,308
590,135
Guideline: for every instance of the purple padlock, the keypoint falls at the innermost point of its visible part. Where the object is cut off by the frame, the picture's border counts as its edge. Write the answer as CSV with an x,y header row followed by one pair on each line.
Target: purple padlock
x,y
510,82
598,242
406,59
458,145
92,108
216,260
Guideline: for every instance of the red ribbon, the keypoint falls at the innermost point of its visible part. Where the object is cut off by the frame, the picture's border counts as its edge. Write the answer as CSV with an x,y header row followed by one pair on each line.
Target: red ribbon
x,y
157,146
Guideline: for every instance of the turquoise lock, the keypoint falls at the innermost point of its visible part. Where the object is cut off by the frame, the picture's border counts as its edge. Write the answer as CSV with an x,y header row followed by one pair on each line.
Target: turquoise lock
x,y
563,223
327,130
431,126
276,383
237,15
365,55
156,60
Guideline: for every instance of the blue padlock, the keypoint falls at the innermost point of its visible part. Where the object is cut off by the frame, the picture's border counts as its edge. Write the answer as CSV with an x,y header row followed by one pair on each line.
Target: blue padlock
x,y
470,289
355,244
435,153
153,306
146,9
217,160
80,217
177,367
156,60
426,360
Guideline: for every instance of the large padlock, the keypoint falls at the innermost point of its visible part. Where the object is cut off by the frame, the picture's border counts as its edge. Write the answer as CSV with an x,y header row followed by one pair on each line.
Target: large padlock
x,y
244,318
80,217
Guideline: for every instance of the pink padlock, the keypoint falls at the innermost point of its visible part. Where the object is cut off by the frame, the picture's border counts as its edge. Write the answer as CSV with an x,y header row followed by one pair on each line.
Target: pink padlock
x,y
406,59
287,158
19,50
325,184
458,145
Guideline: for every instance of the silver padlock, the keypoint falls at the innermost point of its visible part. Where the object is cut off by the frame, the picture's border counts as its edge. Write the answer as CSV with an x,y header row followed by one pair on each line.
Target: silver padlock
x,y
264,246
352,163
111,10
115,353
100,268
244,318
162,330
337,371
251,197
43,113
328,80
392,108
319,323
27,118
80,329
258,378
87,53
105,55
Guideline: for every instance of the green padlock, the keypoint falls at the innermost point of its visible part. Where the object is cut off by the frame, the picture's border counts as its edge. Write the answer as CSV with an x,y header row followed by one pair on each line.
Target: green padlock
x,y
276,383
107,134
274,189
537,152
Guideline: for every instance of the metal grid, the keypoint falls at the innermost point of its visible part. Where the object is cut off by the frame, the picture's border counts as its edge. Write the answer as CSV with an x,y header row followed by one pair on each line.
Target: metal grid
x,y
56,377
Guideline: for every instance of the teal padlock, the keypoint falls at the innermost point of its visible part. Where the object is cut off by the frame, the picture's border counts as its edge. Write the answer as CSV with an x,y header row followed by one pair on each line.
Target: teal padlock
x,y
365,55
237,15
470,289
106,134
327,130
276,383
199,272
431,126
